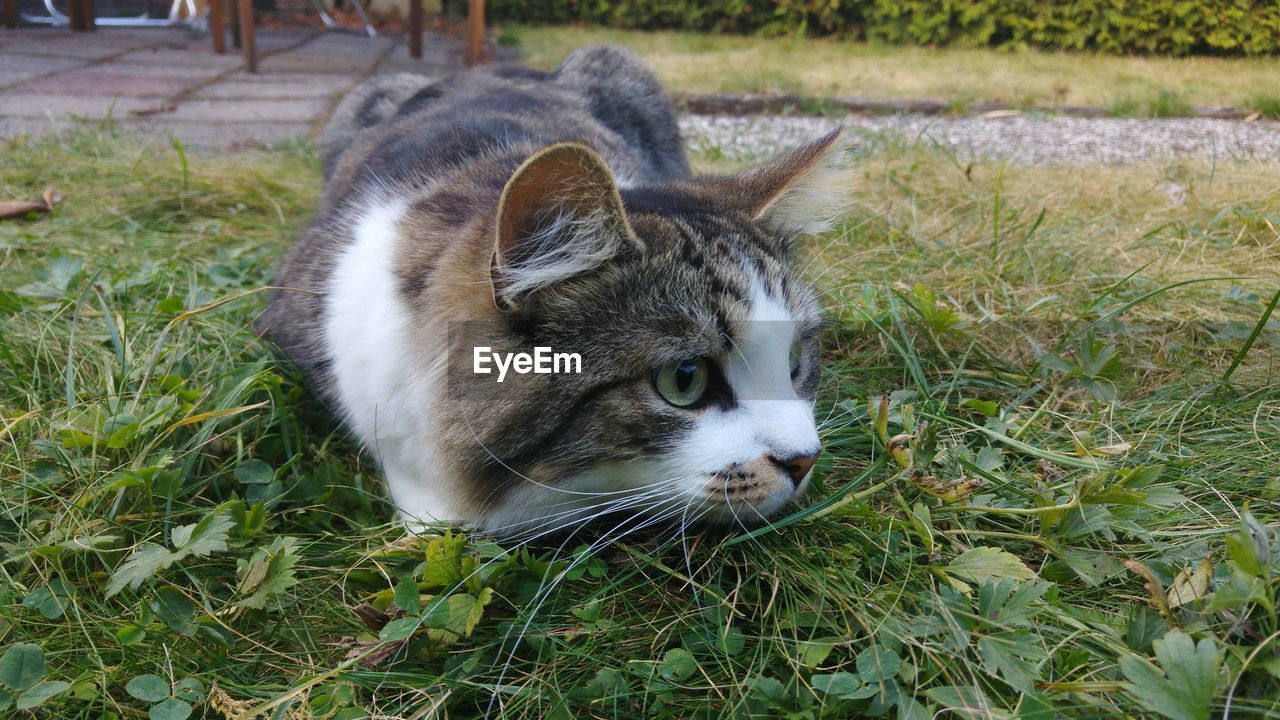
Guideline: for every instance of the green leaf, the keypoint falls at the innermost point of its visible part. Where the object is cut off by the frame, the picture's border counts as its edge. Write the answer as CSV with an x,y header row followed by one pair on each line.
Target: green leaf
x,y
172,607
122,436
1182,687
37,695
130,635
43,600
406,595
1249,546
200,539
677,665
269,573
985,563
444,561
255,472
843,685
458,615
813,652
171,709
877,663
1014,656
189,689
205,537
767,688
139,567
148,688
21,666
1241,588
400,629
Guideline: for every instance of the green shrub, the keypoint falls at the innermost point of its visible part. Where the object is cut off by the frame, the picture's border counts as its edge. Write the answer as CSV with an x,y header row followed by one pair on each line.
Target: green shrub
x,y
1164,27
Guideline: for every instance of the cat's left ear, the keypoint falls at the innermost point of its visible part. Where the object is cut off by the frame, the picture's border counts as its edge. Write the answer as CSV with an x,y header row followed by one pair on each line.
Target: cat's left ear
x,y
800,192
560,215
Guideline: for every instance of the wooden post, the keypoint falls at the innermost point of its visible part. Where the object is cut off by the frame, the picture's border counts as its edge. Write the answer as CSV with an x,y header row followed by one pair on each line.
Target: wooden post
x,y
11,16
475,32
415,28
217,27
235,22
247,40
81,15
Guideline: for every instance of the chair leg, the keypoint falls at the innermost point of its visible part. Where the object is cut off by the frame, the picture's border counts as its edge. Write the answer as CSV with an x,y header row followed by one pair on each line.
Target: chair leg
x,y
235,23
217,28
247,40
415,28
475,32
11,16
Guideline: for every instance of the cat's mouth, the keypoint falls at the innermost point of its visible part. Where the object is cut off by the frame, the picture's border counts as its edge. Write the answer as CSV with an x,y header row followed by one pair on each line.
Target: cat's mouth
x,y
748,493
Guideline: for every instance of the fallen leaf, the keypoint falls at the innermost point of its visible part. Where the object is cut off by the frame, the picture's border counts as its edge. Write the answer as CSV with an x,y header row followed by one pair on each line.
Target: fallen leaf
x,y
1190,584
1118,449
1155,590
373,618
21,208
13,209
51,197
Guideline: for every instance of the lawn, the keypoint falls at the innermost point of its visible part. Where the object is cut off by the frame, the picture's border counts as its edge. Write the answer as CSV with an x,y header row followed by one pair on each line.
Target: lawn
x,y
701,63
1050,408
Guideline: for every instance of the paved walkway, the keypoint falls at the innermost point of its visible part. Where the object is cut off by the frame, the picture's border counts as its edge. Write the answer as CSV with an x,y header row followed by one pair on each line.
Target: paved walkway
x,y
167,81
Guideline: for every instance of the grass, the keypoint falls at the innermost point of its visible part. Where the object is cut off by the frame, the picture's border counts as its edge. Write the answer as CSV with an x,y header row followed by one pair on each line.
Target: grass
x,y
1049,397
692,62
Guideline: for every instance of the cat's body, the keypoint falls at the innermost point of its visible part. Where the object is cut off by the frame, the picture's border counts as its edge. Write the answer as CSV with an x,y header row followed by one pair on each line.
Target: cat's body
x,y
519,209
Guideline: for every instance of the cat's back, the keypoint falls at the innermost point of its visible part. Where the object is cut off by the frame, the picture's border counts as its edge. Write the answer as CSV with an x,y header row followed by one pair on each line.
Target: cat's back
x,y
444,149
404,128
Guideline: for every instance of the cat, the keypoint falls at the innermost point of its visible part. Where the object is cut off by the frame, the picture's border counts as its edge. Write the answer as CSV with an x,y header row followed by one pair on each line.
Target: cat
x,y
514,209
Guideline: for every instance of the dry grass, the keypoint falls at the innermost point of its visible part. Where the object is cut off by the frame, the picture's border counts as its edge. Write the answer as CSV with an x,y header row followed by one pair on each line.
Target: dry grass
x,y
1019,251
710,63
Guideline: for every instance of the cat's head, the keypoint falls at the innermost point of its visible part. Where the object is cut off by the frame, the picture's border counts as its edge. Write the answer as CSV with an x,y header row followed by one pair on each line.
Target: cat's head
x,y
697,341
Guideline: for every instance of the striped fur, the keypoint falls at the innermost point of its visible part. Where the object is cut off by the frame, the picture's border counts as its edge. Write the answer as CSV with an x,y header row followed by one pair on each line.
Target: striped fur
x,y
515,209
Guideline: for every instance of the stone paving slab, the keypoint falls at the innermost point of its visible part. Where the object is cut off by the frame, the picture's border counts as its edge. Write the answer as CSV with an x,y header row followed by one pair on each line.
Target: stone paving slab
x,y
249,111
285,77
298,62
88,107
168,82
69,50
29,66
281,90
109,84
14,77
182,58
221,136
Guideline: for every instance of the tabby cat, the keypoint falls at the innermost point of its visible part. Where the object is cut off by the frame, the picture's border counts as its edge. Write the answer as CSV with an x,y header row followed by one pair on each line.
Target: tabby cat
x,y
514,209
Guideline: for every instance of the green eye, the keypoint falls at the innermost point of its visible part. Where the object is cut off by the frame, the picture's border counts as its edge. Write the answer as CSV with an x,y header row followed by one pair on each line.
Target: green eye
x,y
797,354
684,382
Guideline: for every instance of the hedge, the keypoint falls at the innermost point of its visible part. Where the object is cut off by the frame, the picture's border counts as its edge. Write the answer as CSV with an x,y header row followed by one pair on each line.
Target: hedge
x,y
1163,27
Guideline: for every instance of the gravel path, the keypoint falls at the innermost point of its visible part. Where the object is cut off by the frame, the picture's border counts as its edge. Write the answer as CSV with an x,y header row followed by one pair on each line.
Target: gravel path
x,y
1020,139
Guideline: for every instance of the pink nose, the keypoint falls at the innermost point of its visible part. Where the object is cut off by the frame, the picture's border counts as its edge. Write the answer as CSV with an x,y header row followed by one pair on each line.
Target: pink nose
x,y
797,466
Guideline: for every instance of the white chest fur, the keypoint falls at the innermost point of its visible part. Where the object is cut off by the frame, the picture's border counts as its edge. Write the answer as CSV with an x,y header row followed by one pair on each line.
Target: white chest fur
x,y
385,390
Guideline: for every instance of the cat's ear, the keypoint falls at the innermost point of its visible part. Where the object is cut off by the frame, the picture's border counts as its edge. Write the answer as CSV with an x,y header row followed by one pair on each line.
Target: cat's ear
x,y
560,215
800,192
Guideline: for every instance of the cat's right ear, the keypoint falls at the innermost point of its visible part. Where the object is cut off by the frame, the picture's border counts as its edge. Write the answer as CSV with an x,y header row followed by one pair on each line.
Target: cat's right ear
x,y
560,215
